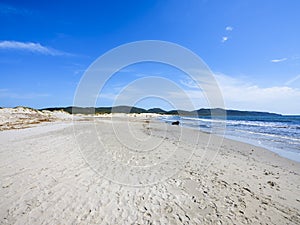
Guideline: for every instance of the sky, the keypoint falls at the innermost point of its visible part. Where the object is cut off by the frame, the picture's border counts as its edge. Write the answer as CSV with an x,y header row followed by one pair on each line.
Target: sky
x,y
251,47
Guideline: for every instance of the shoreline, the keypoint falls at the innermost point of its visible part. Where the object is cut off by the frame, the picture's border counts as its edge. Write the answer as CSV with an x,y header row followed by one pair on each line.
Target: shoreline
x,y
293,156
34,117
289,154
44,179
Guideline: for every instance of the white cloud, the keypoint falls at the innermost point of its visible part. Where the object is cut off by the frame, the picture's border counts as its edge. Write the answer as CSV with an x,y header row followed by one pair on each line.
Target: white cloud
x,y
239,94
31,47
229,28
224,39
278,60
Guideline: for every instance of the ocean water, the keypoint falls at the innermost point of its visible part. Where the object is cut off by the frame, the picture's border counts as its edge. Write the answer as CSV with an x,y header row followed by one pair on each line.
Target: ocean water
x,y
280,134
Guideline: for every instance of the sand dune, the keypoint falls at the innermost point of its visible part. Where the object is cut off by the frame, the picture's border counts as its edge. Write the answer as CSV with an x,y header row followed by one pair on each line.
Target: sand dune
x,y
46,180
22,117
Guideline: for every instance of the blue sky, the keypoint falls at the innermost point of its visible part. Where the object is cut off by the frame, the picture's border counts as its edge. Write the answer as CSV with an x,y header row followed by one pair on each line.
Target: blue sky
x,y
252,47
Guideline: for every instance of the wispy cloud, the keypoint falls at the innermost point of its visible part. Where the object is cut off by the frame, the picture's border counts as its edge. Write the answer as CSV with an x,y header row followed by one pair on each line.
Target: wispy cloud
x,y
189,83
239,93
184,93
6,9
294,79
224,39
31,47
278,60
229,28
6,93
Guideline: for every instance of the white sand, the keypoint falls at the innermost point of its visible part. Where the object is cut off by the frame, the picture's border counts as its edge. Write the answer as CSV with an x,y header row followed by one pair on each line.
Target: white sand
x,y
45,180
21,117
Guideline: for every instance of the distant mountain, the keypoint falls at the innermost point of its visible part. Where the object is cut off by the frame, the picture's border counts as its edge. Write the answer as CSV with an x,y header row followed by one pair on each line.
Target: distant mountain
x,y
157,110
249,113
207,112
129,109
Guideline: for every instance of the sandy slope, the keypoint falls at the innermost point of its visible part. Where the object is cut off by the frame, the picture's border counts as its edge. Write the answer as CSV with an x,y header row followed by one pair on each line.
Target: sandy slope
x,y
45,180
22,117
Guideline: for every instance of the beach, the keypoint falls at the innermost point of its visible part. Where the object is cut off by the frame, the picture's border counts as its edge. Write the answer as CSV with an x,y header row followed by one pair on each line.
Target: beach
x,y
53,173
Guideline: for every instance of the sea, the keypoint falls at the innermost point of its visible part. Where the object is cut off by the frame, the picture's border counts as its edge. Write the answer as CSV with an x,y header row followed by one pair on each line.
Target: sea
x,y
280,134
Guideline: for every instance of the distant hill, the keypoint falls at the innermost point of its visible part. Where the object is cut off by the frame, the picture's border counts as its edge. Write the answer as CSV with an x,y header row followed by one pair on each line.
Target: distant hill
x,y
157,110
207,112
129,109
91,110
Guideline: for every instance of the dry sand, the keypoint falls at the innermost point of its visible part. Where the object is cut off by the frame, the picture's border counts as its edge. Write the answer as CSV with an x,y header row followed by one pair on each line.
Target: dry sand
x,y
21,117
45,179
